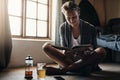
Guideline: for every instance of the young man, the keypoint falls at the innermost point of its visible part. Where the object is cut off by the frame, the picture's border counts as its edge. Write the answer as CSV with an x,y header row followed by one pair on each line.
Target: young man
x,y
75,32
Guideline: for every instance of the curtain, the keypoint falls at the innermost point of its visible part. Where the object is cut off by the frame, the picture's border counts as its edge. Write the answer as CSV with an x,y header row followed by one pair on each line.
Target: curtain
x,y
59,20
5,35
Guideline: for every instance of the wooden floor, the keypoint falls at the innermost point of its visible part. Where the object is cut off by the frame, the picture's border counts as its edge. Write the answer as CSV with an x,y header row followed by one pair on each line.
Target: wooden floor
x,y
110,72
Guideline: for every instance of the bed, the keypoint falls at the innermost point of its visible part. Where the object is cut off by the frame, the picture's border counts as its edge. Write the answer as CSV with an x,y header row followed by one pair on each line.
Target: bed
x,y
109,41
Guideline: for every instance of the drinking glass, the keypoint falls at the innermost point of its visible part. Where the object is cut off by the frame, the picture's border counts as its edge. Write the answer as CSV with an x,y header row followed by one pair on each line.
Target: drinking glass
x,y
41,71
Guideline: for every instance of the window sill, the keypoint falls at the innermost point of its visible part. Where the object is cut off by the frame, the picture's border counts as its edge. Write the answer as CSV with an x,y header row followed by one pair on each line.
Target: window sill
x,y
24,39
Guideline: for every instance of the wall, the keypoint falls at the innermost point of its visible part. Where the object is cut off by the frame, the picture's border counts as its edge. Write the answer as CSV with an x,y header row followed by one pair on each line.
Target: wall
x,y
112,9
106,9
22,48
99,6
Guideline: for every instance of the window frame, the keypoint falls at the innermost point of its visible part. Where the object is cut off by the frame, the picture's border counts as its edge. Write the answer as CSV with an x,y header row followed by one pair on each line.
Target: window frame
x,y
23,18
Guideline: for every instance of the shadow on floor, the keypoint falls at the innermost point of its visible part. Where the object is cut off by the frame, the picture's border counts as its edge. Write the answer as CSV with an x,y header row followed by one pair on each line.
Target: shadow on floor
x,y
106,75
102,75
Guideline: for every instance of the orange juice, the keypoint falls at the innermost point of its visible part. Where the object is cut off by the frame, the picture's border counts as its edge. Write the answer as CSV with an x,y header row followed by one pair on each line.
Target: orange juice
x,y
41,73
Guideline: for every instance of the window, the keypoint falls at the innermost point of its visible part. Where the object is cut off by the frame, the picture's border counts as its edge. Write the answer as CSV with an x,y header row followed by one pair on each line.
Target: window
x,y
29,18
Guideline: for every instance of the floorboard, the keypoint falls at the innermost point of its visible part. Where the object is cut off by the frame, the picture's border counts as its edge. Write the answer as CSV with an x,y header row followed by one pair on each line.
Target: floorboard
x,y
109,71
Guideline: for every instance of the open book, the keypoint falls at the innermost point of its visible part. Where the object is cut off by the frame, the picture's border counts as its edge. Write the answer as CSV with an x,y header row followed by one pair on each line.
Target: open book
x,y
78,52
81,47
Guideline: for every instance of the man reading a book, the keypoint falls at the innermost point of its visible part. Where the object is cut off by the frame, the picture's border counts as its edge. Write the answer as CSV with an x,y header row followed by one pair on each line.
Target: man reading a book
x,y
79,52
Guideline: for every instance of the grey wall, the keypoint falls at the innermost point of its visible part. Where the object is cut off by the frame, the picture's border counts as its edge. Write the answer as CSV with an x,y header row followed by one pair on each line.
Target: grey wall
x,y
23,48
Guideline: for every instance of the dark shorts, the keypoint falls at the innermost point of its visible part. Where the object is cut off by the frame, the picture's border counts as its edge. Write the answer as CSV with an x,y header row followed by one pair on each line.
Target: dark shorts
x,y
77,54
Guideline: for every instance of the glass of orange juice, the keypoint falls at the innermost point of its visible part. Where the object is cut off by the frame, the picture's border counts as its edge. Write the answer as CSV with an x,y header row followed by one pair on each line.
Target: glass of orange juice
x,y
41,71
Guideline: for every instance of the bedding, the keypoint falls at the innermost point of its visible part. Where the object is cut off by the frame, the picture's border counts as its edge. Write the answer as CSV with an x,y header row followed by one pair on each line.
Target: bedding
x,y
111,41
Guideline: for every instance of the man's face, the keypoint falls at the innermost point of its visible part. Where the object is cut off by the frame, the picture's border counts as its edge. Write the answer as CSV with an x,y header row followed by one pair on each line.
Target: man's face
x,y
72,17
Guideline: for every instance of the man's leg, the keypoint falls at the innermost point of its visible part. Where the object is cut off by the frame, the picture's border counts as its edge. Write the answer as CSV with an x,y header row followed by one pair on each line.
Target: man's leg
x,y
92,59
56,55
59,57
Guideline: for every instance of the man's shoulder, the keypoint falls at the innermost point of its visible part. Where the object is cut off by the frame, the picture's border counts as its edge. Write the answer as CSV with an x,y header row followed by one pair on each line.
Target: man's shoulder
x,y
64,25
85,22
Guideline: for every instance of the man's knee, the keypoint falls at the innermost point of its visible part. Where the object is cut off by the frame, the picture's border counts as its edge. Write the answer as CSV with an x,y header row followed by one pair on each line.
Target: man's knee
x,y
100,50
46,46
